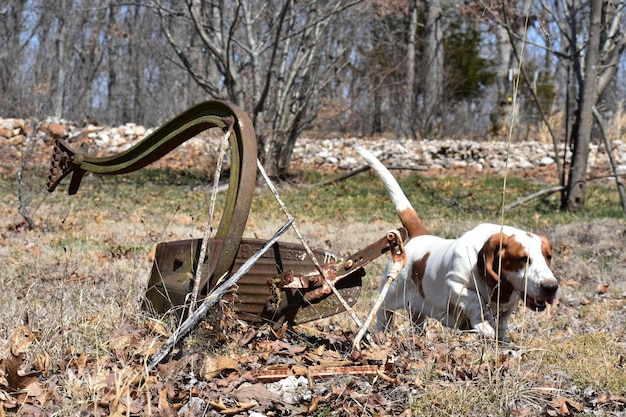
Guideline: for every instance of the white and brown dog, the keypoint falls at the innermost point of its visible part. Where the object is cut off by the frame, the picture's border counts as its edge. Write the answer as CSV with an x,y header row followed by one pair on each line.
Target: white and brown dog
x,y
473,282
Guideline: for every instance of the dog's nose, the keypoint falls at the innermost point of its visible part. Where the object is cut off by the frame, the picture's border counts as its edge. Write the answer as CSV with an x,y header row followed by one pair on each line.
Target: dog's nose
x,y
549,286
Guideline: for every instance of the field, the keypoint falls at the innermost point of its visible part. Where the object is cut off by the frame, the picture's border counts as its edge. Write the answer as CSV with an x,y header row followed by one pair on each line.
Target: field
x,y
75,336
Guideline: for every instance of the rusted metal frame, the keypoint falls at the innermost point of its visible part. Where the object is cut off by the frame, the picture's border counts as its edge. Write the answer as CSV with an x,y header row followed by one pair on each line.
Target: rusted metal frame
x,y
398,259
336,272
213,297
329,284
315,291
210,114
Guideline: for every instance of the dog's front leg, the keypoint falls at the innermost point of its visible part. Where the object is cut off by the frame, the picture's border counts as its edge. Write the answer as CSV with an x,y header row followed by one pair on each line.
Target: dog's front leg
x,y
503,324
475,311
481,319
486,329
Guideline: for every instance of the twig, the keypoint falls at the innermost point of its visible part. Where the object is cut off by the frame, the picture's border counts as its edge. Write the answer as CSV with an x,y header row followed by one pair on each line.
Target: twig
x,y
207,229
532,196
306,246
364,169
213,297
609,152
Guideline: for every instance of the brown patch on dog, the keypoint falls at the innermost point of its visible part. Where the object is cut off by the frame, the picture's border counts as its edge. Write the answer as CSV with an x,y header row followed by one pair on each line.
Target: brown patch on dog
x,y
546,250
514,256
419,267
501,253
411,220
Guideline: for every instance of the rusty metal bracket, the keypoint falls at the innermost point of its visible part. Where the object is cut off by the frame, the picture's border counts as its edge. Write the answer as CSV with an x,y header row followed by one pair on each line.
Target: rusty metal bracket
x,y
398,259
204,116
313,289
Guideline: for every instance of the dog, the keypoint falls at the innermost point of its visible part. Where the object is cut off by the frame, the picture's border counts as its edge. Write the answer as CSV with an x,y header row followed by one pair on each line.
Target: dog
x,y
471,283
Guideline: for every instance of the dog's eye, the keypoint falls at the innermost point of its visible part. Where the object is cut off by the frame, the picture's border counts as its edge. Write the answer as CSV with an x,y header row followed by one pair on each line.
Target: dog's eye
x,y
523,259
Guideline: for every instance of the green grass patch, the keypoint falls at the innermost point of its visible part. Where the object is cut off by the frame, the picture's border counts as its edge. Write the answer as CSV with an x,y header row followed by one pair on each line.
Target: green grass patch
x,y
159,192
445,199
589,359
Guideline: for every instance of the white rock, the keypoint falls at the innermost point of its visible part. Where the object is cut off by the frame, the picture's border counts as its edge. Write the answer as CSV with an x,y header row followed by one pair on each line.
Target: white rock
x,y
102,139
139,130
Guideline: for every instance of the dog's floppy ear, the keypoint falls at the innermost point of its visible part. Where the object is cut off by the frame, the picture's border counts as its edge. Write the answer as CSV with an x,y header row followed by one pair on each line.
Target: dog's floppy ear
x,y
488,264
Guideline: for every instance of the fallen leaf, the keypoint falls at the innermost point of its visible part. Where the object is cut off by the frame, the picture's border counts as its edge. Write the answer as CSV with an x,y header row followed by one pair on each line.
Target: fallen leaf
x,y
280,347
20,341
212,366
164,405
15,350
313,404
521,411
157,327
320,350
254,392
602,288
606,399
564,405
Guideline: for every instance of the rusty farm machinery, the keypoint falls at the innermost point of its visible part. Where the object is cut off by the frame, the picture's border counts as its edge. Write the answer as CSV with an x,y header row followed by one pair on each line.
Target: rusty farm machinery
x,y
277,282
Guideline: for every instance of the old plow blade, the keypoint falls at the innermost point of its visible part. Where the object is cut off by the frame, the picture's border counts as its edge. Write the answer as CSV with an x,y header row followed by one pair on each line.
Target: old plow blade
x,y
283,286
204,116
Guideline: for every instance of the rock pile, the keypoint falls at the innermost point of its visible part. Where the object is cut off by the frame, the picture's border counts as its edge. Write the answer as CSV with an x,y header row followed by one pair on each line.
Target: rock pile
x,y
322,154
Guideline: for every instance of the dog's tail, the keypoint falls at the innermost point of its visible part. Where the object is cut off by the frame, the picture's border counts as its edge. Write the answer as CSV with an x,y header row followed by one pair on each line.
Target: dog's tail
x,y
406,212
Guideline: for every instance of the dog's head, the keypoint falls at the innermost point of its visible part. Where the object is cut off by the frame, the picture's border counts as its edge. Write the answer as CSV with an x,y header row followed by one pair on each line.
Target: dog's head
x,y
520,262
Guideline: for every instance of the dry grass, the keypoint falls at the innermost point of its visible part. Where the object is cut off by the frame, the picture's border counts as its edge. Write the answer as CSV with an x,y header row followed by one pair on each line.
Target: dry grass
x,y
79,278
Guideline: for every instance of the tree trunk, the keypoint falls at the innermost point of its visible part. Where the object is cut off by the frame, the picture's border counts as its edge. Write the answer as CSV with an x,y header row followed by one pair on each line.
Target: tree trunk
x,y
61,32
584,116
433,54
410,68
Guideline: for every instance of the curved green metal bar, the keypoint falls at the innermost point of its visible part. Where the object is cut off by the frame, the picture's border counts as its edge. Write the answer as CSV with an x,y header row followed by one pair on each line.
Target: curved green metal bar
x,y
207,115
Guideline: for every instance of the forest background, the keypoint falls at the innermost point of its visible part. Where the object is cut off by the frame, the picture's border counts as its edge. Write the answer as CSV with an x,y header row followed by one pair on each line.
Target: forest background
x,y
364,68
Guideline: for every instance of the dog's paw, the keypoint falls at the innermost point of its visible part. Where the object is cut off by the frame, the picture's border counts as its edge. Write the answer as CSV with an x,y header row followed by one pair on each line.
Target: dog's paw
x,y
486,329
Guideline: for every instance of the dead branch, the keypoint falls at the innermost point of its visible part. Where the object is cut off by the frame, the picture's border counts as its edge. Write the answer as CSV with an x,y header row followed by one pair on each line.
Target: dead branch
x,y
343,177
204,247
314,372
532,196
609,152
364,169
398,256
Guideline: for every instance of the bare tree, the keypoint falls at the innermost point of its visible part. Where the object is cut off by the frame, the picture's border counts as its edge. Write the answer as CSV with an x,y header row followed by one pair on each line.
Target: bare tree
x,y
433,64
61,13
574,198
315,65
410,65
272,59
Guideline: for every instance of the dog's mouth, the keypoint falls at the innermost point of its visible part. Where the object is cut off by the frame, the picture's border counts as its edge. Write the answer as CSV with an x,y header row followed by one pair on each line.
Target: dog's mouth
x,y
536,304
